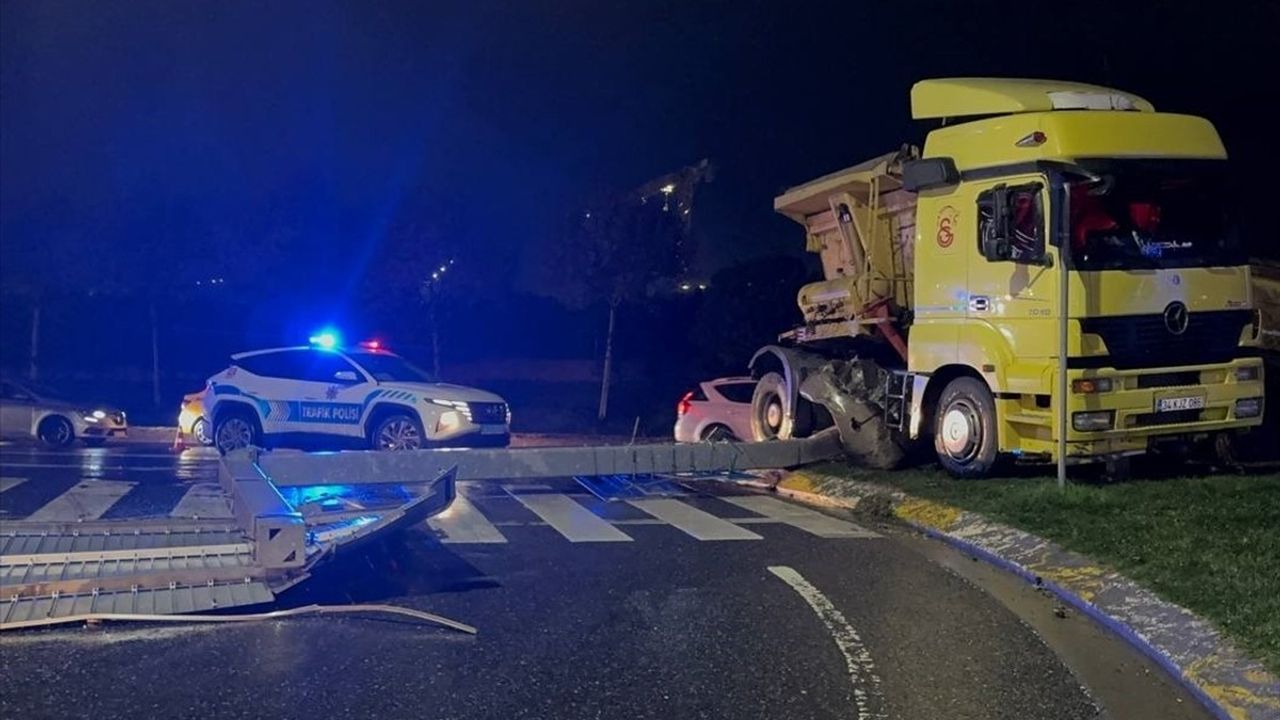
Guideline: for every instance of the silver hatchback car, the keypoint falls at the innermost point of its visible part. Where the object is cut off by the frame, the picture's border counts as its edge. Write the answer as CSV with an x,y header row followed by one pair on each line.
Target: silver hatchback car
x,y
716,410
30,411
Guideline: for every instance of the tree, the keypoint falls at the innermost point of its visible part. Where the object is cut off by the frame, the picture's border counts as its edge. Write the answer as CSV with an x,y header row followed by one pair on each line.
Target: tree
x,y
745,307
626,248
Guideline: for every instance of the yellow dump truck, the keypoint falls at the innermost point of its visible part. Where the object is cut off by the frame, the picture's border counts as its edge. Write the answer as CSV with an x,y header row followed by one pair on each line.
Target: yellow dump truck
x,y
940,315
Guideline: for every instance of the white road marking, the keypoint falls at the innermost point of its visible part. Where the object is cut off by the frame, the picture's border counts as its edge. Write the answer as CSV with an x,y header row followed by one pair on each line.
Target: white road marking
x,y
205,501
692,521
862,671
462,523
89,500
571,519
9,483
811,521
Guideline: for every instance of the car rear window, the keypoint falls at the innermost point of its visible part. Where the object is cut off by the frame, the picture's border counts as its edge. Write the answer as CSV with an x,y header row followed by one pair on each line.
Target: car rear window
x,y
738,392
308,365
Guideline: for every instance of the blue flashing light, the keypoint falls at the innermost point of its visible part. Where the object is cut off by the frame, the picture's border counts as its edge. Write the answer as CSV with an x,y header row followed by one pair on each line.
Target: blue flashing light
x,y
327,339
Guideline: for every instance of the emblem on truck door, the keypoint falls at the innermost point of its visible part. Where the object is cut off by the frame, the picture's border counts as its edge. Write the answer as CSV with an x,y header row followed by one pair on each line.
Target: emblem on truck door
x,y
946,227
1176,318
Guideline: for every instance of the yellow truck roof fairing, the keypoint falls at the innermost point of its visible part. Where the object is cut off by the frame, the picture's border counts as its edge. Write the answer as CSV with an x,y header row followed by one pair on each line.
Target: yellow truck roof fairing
x,y
966,97
1029,137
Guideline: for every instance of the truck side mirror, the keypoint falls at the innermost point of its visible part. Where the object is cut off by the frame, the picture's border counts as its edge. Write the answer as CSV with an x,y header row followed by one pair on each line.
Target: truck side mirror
x,y
1011,224
993,224
929,173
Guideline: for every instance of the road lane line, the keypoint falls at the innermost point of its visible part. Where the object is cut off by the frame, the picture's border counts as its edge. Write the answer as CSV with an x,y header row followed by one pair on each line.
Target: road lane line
x,y
692,521
89,500
862,671
811,521
571,519
204,501
9,483
462,522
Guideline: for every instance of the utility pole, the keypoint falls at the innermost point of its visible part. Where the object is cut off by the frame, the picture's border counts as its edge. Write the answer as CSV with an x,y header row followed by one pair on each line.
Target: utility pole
x,y
155,357
34,369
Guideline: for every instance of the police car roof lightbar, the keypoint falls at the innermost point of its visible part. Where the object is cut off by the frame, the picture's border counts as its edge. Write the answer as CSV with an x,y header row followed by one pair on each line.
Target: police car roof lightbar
x,y
326,339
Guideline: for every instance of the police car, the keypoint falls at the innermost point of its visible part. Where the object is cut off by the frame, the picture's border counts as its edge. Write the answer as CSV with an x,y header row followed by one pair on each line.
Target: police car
x,y
364,396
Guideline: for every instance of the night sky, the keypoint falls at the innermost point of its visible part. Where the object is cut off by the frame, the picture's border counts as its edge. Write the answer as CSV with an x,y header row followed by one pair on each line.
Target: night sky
x,y
156,142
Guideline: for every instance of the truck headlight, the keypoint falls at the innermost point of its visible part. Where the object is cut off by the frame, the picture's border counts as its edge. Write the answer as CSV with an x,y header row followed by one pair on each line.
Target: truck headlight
x,y
1248,373
1248,407
1088,386
1093,420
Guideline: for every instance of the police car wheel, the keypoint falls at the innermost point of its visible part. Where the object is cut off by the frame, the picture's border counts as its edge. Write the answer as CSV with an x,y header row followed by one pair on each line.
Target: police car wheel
x,y
233,432
398,432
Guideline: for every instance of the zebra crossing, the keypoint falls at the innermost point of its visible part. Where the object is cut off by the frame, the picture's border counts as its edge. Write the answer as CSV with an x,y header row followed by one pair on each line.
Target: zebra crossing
x,y
492,515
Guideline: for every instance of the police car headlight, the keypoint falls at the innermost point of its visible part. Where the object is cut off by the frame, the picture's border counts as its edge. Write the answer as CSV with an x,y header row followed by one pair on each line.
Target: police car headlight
x,y
456,404
450,420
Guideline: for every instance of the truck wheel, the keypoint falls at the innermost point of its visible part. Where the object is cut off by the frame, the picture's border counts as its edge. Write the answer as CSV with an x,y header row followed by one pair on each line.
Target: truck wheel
x,y
236,429
399,431
56,431
964,429
770,419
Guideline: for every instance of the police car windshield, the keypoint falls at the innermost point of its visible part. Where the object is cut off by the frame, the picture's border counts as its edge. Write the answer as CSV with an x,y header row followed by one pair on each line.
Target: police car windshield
x,y
385,367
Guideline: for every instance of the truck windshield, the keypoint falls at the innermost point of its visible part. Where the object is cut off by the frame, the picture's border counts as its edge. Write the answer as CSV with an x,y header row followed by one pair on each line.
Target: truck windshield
x,y
385,367
1153,214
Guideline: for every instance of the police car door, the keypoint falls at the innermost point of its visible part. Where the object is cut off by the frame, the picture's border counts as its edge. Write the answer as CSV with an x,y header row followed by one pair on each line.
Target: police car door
x,y
331,396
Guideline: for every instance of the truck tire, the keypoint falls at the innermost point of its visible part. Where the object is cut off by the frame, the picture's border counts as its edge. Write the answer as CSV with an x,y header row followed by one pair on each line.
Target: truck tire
x,y
964,429
771,416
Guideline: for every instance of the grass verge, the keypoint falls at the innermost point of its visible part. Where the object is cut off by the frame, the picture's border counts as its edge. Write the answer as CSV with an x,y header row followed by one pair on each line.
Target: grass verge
x,y
1209,543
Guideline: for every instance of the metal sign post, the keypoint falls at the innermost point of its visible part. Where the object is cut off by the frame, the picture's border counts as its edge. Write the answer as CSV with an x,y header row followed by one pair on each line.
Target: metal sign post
x,y
1064,278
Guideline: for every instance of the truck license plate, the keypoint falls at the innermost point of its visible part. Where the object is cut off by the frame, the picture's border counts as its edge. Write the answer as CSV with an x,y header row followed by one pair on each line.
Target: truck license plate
x,y
1172,404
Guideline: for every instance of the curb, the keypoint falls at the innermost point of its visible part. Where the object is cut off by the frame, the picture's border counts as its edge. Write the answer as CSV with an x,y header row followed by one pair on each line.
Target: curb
x,y
1229,684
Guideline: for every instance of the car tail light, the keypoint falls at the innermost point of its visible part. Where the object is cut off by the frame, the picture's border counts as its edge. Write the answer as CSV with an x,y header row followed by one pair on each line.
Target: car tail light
x,y
685,404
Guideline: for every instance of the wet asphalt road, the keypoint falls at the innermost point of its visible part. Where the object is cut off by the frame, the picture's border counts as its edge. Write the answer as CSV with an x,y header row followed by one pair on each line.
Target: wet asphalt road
x,y
809,620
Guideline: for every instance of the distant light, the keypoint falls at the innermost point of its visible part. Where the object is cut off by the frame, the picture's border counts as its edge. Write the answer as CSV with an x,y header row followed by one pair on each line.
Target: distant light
x,y
702,286
327,339
443,268
686,287
371,344
669,188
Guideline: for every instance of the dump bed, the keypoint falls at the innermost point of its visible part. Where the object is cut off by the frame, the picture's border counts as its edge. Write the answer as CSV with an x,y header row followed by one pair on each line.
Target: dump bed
x,y
862,223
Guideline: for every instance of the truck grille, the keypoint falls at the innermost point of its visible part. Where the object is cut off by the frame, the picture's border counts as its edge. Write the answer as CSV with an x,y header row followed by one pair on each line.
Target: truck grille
x,y
1144,341
488,412
1169,379
1166,418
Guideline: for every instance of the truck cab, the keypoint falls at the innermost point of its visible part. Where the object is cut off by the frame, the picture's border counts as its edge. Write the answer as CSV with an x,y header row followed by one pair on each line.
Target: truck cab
x,y
1027,183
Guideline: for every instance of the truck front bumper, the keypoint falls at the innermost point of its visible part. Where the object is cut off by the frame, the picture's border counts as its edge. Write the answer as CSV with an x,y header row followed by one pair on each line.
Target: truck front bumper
x,y
1153,403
